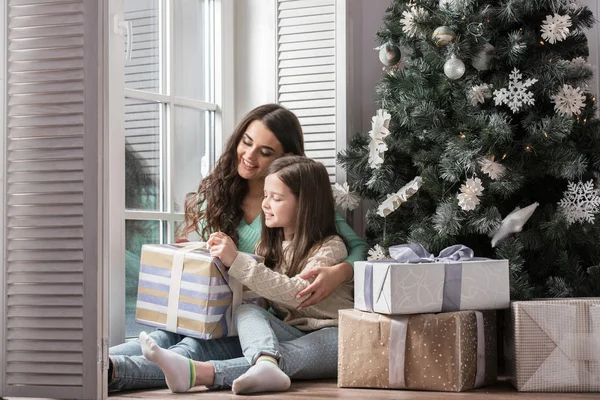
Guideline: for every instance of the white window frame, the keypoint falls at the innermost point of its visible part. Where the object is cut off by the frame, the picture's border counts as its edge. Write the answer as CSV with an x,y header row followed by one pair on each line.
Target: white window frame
x,y
114,212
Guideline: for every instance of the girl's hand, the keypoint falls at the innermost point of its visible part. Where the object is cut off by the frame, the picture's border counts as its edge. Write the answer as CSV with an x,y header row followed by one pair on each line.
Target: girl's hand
x,y
325,280
222,246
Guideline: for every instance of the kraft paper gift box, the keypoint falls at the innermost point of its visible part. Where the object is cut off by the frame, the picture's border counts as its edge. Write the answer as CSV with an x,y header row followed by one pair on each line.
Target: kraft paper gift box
x,y
445,352
182,289
554,345
417,282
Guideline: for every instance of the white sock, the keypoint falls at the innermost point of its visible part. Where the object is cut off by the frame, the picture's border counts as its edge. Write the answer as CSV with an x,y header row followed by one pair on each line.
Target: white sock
x,y
179,371
264,376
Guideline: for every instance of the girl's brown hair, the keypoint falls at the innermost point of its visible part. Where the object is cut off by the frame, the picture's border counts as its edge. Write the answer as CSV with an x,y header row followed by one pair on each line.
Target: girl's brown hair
x,y
315,214
218,200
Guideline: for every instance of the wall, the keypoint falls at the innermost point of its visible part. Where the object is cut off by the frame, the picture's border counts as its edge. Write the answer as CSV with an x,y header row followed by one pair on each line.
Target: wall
x,y
254,54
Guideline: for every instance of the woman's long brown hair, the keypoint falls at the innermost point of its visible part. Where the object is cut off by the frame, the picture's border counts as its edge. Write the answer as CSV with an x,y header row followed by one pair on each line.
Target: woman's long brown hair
x,y
218,200
315,215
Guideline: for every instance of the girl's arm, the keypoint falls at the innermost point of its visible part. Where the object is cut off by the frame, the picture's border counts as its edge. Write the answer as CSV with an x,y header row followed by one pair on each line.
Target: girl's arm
x,y
278,287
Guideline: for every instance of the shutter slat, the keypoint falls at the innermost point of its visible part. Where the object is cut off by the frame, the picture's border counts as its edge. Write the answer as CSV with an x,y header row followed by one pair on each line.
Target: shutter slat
x,y
44,65
46,312
307,62
31,256
313,112
48,357
53,98
323,35
45,32
292,55
44,221
38,334
303,21
306,11
39,199
318,94
287,30
46,20
287,5
290,80
307,87
318,69
69,244
308,44
41,43
73,142
42,233
17,300
45,176
44,379
301,104
15,211
317,120
53,277
45,9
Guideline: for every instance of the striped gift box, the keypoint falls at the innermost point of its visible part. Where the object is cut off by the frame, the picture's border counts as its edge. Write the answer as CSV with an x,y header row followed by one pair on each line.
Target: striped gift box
x,y
182,289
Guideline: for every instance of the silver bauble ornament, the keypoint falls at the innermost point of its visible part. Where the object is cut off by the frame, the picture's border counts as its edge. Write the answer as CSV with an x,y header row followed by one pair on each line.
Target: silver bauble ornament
x,y
389,54
481,60
443,36
454,68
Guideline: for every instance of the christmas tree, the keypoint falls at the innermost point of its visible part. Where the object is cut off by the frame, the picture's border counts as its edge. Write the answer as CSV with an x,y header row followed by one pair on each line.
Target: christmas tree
x,y
486,137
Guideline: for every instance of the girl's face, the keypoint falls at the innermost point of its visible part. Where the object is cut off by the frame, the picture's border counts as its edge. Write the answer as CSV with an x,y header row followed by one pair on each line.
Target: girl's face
x,y
279,205
257,149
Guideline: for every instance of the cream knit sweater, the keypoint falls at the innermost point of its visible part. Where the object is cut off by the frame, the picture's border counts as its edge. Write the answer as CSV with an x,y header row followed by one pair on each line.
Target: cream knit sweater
x,y
281,290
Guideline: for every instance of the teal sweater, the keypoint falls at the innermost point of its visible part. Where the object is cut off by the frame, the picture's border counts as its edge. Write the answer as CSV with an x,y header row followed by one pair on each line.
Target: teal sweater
x,y
249,234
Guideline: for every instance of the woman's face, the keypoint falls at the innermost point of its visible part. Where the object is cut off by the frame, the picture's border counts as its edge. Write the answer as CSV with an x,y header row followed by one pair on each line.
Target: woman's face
x,y
257,149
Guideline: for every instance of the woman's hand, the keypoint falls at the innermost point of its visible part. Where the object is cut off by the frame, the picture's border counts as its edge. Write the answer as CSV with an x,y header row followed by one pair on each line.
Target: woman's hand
x,y
222,246
325,280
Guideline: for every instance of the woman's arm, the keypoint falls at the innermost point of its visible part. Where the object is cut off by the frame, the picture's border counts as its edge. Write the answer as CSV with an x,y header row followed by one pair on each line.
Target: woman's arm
x,y
357,246
278,287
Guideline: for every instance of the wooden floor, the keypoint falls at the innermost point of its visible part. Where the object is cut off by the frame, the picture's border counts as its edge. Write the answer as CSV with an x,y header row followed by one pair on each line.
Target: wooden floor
x,y
327,389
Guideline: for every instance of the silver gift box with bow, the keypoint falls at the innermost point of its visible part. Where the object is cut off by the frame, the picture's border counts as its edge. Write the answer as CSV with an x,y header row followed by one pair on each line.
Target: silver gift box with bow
x,y
416,281
554,345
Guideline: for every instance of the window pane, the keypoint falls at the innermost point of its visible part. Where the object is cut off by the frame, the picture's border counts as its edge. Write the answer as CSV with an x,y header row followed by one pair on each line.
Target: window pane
x,y
142,65
137,233
191,71
192,129
142,155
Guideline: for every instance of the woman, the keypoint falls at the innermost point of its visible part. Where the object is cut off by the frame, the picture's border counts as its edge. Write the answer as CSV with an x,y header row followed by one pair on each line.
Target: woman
x,y
229,200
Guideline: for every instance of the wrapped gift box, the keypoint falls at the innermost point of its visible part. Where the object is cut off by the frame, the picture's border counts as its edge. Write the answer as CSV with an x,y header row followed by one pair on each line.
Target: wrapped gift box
x,y
183,289
554,345
392,287
446,352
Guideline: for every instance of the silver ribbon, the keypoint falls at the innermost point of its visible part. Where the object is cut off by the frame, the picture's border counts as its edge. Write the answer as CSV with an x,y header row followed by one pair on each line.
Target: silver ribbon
x,y
414,253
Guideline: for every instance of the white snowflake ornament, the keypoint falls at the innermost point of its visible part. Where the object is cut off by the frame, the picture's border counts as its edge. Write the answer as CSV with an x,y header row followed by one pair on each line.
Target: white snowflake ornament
x,y
468,198
479,93
569,101
517,95
379,131
344,197
492,168
376,253
410,18
580,202
556,28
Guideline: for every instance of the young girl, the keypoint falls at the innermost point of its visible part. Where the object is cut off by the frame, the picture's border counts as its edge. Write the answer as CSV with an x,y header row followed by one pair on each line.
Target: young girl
x,y
298,234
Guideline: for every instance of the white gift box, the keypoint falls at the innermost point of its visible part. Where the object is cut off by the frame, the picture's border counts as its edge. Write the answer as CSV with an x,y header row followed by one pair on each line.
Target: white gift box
x,y
392,287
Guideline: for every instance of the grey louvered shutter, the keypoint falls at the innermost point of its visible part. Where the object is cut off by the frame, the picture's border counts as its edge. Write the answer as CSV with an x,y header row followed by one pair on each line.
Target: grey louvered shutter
x,y
51,273
311,73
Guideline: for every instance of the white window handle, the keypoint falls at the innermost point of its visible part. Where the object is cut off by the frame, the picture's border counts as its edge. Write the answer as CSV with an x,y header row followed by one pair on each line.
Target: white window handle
x,y
123,27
